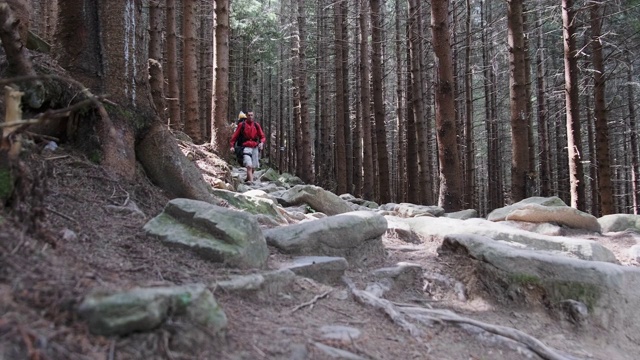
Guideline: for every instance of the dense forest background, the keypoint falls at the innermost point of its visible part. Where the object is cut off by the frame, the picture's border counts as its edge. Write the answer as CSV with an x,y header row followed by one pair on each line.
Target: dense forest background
x,y
461,103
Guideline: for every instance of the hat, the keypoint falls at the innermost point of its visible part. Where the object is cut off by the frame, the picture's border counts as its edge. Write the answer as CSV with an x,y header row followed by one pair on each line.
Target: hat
x,y
242,115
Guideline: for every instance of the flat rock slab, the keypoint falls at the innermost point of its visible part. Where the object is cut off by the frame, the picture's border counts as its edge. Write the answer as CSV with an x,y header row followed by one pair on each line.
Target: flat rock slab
x,y
215,233
355,236
611,292
120,312
440,227
324,269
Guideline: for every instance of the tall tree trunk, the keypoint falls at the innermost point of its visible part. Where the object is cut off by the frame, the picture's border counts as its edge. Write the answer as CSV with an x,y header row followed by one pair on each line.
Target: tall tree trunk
x,y
402,166
574,142
340,140
345,94
206,41
190,76
378,104
450,171
156,75
517,94
220,131
173,86
469,154
365,100
543,120
305,165
633,132
416,99
600,112
413,183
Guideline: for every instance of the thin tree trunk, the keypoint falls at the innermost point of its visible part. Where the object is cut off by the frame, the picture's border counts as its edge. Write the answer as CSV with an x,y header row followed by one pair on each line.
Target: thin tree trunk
x,y
413,184
469,155
543,120
633,131
156,76
402,166
175,118
378,104
365,100
340,141
306,165
600,112
417,101
576,173
517,93
221,132
450,170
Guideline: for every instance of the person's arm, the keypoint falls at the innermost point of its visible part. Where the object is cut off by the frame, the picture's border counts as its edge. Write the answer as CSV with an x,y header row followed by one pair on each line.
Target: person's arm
x,y
235,135
261,136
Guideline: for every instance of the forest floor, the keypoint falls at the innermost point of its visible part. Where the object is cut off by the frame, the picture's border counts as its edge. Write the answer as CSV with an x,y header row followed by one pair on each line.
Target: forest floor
x,y
76,231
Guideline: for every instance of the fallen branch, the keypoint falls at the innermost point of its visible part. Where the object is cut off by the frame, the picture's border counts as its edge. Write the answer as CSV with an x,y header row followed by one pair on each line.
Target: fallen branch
x,y
365,297
311,302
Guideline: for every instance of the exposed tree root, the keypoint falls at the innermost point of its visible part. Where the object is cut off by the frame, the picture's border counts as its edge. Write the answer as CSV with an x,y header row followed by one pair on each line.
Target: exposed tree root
x,y
397,314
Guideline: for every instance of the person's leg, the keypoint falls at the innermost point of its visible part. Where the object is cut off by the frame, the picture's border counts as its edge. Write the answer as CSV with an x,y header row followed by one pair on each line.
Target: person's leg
x,y
248,162
249,173
255,156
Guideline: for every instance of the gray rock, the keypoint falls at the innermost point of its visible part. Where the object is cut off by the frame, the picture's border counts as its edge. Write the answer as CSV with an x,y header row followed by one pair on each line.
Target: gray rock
x,y
611,292
111,312
620,222
317,198
324,269
500,214
356,236
463,214
215,233
403,275
440,227
563,215
252,201
397,228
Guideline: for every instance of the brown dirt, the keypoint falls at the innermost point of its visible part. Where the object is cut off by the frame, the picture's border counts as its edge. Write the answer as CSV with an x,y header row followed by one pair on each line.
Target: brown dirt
x,y
84,240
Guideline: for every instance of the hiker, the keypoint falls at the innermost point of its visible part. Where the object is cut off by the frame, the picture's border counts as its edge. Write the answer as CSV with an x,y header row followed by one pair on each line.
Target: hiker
x,y
249,140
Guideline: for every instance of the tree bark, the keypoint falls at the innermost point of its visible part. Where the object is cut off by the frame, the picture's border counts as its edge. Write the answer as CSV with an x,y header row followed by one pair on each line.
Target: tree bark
x,y
190,76
600,112
576,173
517,82
221,132
365,100
378,104
450,171
156,75
173,84
340,137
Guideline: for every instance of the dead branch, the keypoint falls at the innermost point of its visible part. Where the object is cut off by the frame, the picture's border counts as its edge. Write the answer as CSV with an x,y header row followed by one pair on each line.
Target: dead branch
x,y
311,302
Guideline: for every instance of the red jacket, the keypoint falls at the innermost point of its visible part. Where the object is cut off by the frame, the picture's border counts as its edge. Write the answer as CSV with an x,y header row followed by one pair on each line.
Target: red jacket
x,y
252,134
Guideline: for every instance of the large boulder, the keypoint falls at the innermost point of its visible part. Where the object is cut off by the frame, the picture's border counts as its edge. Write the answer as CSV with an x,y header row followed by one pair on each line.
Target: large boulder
x,y
356,236
610,292
442,226
317,198
215,233
620,222
500,214
412,210
256,202
120,312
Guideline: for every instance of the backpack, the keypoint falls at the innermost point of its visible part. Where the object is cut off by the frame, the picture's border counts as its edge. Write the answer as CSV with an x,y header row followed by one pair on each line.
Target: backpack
x,y
237,147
